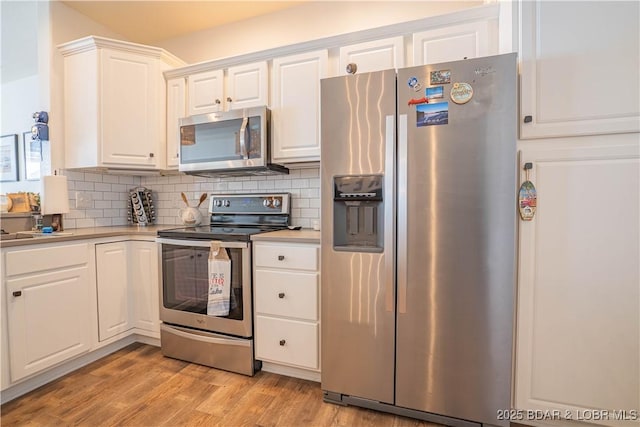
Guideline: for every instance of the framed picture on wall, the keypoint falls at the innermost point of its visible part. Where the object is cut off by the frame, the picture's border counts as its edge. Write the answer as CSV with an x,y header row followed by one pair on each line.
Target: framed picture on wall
x,y
32,157
9,158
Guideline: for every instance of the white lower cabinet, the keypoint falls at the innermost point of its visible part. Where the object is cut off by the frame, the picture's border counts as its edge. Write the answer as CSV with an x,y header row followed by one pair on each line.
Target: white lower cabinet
x,y
286,289
127,282
578,334
114,290
48,306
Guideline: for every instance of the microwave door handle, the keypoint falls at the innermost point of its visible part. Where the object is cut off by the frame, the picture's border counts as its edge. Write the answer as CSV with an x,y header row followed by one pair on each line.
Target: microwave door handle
x,y
243,144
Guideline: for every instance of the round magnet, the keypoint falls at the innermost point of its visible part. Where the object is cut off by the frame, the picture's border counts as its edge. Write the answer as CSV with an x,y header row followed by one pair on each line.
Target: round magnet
x,y
461,93
412,81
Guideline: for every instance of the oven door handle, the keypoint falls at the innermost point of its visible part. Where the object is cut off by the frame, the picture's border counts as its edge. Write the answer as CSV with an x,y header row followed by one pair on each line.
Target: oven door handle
x,y
201,243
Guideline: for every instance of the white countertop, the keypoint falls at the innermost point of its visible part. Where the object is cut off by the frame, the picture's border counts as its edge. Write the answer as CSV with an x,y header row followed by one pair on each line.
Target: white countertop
x,y
86,233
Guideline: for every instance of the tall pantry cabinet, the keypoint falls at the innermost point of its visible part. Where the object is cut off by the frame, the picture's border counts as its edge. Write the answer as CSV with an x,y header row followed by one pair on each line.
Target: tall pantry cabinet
x,y
115,104
578,328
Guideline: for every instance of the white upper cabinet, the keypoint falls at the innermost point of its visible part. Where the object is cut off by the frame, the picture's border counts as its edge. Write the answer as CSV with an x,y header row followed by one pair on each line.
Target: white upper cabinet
x,y
114,104
295,108
579,68
373,56
176,109
206,92
456,42
246,86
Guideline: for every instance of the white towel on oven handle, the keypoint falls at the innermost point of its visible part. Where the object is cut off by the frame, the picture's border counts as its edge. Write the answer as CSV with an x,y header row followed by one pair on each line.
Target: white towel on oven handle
x,y
219,281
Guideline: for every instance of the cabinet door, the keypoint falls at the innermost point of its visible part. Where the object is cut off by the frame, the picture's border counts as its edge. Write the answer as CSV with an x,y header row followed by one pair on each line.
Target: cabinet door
x,y
48,317
576,80
176,109
130,126
295,110
578,337
144,280
373,56
114,296
247,86
455,42
205,92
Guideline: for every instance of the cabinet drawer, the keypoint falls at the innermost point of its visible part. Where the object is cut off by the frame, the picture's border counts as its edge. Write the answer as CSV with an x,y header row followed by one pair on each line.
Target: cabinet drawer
x,y
285,293
287,341
41,259
298,257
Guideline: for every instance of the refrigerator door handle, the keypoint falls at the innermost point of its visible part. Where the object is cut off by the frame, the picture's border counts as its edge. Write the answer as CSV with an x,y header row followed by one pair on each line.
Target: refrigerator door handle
x,y
402,214
389,211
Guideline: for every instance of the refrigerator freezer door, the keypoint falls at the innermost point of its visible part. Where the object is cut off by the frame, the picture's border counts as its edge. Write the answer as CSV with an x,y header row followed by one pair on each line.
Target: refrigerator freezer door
x,y
358,138
456,272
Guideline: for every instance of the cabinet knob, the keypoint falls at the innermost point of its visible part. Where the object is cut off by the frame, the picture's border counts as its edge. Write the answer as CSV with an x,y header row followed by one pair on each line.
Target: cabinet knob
x,y
229,99
281,295
280,257
282,342
17,293
217,101
151,155
528,119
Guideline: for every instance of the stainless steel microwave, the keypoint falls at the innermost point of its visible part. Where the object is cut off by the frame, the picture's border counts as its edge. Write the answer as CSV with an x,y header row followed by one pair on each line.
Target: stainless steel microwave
x,y
228,143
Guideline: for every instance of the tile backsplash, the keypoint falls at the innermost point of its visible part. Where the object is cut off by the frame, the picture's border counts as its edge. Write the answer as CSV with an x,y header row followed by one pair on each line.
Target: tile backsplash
x,y
107,195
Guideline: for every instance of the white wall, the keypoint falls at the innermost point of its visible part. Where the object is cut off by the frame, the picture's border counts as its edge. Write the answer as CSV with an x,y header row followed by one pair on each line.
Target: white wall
x,y
310,21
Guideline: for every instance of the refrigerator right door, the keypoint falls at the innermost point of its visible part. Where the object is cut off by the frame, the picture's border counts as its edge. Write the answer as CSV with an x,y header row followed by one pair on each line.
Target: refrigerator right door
x,y
456,237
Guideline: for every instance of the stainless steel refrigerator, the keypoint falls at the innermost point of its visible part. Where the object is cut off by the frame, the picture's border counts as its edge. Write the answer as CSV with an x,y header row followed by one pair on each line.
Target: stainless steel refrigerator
x,y
418,188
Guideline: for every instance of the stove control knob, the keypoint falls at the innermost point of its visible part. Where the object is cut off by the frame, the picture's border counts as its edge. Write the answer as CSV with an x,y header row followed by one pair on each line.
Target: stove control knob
x,y
276,203
226,203
217,203
266,203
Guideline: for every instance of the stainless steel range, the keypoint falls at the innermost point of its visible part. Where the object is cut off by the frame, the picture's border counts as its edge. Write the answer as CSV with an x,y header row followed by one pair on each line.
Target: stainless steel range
x,y
187,332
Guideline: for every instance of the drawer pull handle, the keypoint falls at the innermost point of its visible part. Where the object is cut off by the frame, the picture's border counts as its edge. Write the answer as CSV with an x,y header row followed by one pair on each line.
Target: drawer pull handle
x,y
282,342
17,293
281,295
280,257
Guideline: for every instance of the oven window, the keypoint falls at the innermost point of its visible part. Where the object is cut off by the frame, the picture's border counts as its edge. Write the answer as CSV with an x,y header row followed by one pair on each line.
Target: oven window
x,y
185,272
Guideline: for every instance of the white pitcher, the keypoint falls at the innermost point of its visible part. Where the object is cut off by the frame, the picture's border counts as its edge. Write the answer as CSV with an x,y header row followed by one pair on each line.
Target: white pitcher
x,y
190,216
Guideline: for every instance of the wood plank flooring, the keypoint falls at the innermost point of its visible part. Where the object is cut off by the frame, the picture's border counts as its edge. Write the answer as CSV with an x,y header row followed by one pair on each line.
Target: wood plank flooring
x,y
137,386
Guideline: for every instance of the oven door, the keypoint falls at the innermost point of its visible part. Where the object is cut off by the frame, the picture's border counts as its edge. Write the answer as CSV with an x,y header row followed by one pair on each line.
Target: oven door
x,y
185,286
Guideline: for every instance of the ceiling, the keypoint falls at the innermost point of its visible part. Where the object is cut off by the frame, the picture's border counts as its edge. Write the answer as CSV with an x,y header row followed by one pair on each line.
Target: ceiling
x,y
149,21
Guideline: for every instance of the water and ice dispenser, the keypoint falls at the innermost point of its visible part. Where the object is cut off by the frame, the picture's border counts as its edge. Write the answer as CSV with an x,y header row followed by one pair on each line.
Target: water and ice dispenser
x,y
358,213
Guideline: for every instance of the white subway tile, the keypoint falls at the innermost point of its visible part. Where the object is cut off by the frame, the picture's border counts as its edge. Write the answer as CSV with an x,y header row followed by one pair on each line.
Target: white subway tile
x,y
102,204
300,203
111,179
95,213
310,173
83,185
69,223
120,187
111,213
250,185
125,179
236,185
85,223
99,186
93,177
266,185
104,222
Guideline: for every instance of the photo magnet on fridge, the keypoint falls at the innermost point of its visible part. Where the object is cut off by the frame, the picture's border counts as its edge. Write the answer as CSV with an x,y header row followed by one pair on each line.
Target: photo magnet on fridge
x,y
434,92
440,77
432,114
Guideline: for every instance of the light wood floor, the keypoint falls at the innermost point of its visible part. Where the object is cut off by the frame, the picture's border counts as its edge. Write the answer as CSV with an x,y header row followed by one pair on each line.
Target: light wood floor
x,y
137,386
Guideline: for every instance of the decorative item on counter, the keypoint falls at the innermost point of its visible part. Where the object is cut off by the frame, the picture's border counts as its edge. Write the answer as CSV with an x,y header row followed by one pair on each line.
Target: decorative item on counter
x,y
527,197
141,210
55,199
19,202
5,203
189,215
